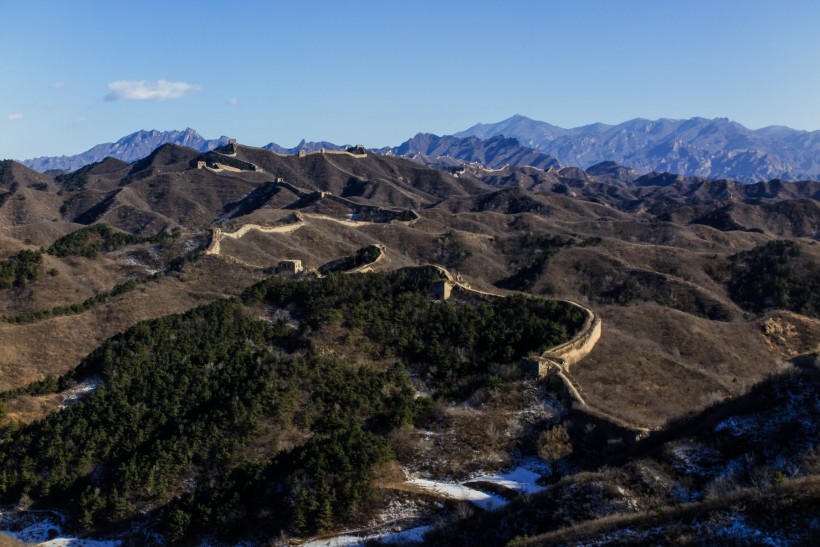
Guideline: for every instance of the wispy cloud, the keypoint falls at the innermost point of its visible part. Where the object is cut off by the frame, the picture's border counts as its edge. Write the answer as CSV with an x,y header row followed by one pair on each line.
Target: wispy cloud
x,y
141,90
82,120
15,117
51,105
233,101
62,85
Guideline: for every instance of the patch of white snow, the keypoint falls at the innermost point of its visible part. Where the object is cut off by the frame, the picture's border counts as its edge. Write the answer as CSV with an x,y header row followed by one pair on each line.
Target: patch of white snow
x,y
488,502
519,479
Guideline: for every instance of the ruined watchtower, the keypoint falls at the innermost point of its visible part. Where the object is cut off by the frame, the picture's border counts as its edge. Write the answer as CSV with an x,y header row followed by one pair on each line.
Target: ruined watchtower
x,y
442,290
289,267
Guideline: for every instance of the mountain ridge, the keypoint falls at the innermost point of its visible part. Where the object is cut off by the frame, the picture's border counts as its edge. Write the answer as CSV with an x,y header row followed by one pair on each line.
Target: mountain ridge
x,y
713,148
129,148
494,152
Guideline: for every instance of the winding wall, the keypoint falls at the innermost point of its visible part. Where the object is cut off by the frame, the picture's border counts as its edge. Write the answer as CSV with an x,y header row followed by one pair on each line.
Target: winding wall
x,y
217,235
581,344
557,358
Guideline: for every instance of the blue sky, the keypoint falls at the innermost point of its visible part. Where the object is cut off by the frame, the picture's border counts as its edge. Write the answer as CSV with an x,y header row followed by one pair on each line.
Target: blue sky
x,y
77,73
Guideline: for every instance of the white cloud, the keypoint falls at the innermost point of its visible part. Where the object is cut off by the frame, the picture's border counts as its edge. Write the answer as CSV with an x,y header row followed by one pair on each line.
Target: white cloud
x,y
62,85
233,101
82,120
14,117
161,90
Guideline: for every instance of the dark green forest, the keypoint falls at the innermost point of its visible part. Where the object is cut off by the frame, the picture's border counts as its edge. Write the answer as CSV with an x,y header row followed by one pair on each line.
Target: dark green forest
x,y
776,275
20,269
218,419
363,256
101,237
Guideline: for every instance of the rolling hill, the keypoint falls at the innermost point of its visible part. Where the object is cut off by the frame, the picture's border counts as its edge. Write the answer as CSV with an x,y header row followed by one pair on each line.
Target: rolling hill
x,y
239,393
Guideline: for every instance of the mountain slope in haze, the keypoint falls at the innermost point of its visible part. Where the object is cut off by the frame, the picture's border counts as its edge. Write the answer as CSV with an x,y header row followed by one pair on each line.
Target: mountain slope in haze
x,y
304,146
716,148
129,148
494,152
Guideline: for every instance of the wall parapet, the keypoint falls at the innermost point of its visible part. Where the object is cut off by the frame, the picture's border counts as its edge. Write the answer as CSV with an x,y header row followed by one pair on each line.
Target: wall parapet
x,y
564,354
579,346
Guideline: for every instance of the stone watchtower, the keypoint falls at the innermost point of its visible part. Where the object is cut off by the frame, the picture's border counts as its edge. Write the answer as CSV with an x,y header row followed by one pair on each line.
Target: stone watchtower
x,y
442,290
289,267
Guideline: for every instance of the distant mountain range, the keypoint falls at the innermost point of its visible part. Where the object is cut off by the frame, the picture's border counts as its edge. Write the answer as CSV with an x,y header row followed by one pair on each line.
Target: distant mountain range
x,y
304,145
716,148
494,152
129,148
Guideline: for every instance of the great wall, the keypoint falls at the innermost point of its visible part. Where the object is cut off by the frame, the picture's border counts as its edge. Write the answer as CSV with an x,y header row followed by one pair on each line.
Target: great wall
x,y
217,234
555,360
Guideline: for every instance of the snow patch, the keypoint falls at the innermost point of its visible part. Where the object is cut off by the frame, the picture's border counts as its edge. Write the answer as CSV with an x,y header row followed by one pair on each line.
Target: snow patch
x,y
80,391
457,491
519,479
45,531
411,535
74,542
694,459
136,263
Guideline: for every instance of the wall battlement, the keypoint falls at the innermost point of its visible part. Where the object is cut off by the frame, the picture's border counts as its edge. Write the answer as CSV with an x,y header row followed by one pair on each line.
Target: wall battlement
x,y
303,153
580,345
565,354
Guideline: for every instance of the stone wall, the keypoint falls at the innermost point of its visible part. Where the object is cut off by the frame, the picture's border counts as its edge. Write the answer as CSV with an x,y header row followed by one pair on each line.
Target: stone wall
x,y
564,355
581,344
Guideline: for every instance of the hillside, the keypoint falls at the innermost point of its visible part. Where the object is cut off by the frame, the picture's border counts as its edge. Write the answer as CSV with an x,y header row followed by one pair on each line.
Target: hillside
x,y
742,472
706,291
305,414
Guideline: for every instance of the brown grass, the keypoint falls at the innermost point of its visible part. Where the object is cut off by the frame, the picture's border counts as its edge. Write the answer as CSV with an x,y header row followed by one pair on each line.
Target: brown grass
x,y
803,492
28,408
8,541
653,362
52,347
